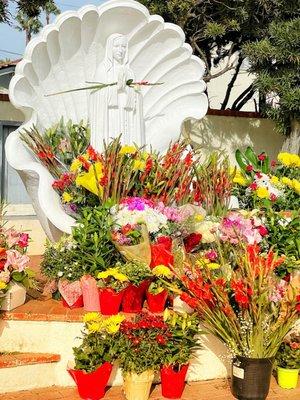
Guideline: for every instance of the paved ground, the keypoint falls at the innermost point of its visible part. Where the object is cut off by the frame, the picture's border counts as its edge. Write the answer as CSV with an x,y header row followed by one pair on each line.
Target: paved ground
x,y
209,390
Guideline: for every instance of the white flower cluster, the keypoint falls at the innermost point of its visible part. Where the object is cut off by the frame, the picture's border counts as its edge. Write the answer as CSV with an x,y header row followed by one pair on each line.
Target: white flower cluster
x,y
153,219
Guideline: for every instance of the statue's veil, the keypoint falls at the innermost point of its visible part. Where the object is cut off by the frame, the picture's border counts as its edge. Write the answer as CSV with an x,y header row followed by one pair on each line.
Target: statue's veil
x,y
108,60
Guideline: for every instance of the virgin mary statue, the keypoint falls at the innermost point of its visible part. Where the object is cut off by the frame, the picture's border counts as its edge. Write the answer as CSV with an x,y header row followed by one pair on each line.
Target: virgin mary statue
x,y
117,109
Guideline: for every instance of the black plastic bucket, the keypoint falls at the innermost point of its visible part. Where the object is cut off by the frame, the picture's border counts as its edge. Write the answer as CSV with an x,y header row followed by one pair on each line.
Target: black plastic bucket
x,y
250,378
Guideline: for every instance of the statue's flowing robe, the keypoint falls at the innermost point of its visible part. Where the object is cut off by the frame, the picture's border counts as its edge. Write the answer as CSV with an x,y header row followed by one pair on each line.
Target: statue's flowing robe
x,y
113,112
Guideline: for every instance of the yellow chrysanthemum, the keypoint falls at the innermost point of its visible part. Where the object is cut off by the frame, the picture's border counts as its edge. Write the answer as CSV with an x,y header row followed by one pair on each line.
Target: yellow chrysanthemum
x,y
114,273
213,266
262,193
296,185
89,179
94,327
2,285
127,150
66,197
274,180
287,181
162,270
139,165
289,159
112,324
92,316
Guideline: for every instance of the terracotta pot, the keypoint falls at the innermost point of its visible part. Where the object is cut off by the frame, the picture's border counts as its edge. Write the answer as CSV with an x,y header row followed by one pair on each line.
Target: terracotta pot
x,y
110,301
157,302
172,381
138,386
134,296
251,378
78,303
91,386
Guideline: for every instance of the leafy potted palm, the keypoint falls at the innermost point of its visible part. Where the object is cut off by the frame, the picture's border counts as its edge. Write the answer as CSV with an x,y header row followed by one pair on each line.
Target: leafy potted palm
x,y
139,341
111,290
288,362
139,275
157,292
95,356
248,308
176,355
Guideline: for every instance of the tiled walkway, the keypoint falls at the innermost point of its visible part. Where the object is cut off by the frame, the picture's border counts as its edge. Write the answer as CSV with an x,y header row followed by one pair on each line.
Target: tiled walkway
x,y
209,390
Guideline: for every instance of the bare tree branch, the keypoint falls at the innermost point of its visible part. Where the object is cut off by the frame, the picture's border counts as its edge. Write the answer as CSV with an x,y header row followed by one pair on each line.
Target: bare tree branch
x,y
231,83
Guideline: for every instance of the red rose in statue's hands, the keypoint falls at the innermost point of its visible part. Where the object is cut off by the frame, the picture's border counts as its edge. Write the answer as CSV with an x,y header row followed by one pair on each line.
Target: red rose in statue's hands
x,y
192,241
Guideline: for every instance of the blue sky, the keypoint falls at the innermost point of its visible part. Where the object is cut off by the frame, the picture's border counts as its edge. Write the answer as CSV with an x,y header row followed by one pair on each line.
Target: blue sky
x,y
14,41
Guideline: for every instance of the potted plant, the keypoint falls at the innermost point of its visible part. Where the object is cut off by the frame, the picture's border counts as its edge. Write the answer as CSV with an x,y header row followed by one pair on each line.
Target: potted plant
x,y
157,292
288,362
139,341
138,275
95,356
15,276
60,264
248,308
176,355
111,285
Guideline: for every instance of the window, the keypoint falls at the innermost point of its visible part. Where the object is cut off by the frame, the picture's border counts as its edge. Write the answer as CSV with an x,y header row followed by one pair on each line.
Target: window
x,y
12,189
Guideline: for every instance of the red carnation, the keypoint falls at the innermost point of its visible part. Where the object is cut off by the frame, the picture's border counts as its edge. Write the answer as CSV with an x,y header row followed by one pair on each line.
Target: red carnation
x,y
253,186
166,241
273,197
249,168
161,340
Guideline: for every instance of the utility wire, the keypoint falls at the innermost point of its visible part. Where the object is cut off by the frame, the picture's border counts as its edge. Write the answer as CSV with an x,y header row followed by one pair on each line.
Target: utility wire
x,y
10,52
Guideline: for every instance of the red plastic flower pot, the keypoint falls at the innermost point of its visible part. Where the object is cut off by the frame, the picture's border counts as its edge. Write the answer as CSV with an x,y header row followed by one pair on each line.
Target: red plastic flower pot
x,y
110,301
157,302
134,296
78,303
91,386
173,382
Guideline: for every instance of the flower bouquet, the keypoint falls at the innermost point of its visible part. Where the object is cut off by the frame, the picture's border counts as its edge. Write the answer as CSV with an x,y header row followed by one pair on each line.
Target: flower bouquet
x,y
112,284
132,241
15,276
248,308
288,361
95,356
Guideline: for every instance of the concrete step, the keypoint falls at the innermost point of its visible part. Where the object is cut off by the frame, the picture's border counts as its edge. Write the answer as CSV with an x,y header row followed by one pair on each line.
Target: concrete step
x,y
27,370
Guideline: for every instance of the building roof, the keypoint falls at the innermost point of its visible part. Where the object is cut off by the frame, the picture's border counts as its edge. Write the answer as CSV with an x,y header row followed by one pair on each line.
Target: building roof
x,y
8,63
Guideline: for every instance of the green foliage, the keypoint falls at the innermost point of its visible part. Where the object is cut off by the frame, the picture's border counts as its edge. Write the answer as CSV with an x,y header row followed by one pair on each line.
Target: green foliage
x,y
276,62
94,351
182,343
288,355
136,271
96,252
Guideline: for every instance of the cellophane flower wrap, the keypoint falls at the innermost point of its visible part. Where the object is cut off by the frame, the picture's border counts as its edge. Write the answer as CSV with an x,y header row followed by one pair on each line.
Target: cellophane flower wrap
x,y
246,306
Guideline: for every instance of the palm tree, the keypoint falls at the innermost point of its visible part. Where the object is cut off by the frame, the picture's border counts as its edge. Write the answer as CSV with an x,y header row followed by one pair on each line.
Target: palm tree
x,y
50,8
32,24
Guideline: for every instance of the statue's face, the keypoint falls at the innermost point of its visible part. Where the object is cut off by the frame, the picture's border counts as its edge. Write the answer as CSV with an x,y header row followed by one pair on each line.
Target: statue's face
x,y
119,48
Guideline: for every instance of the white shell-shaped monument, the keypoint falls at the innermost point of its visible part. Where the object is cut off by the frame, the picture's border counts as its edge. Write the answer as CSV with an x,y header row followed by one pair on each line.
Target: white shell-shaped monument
x,y
117,41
